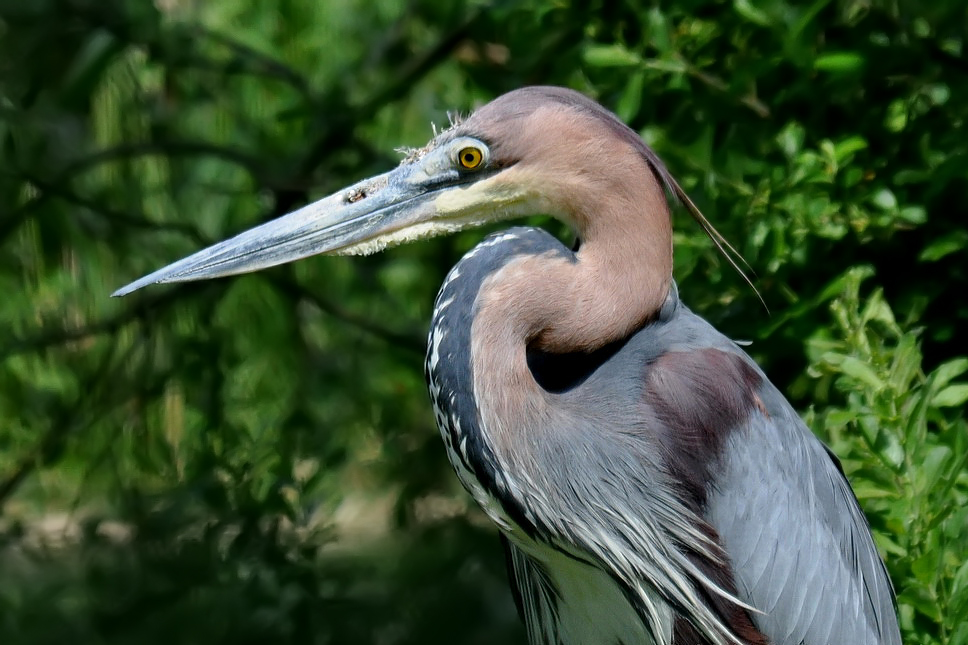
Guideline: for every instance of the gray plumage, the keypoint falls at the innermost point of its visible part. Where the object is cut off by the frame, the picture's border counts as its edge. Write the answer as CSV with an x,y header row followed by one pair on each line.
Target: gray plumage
x,y
601,492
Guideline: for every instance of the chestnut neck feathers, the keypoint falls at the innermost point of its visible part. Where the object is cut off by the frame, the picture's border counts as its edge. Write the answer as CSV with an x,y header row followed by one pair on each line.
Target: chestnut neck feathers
x,y
590,170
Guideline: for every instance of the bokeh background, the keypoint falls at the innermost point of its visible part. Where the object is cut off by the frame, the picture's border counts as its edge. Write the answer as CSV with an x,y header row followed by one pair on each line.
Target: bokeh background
x,y
253,460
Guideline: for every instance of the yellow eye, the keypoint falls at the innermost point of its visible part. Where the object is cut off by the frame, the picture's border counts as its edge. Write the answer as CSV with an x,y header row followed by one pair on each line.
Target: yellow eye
x,y
470,158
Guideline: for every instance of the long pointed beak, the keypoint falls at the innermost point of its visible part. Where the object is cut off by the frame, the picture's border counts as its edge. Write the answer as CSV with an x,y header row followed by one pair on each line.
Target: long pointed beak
x,y
362,218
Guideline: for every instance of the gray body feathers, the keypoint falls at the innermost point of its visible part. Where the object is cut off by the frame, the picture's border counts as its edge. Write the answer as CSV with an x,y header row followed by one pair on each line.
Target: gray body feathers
x,y
670,495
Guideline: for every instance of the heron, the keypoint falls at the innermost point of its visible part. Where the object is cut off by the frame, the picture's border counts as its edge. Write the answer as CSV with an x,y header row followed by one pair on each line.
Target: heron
x,y
650,484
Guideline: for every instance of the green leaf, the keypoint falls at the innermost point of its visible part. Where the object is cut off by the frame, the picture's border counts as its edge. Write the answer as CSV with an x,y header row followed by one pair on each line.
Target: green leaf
x,y
839,62
840,418
790,139
933,465
845,148
865,492
925,568
884,199
945,246
610,56
746,9
938,93
960,635
913,214
861,371
631,100
951,396
888,545
877,309
897,116
807,17
658,26
948,371
919,597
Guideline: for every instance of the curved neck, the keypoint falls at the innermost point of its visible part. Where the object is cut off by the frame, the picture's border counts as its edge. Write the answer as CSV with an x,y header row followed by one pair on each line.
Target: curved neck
x,y
523,288
618,280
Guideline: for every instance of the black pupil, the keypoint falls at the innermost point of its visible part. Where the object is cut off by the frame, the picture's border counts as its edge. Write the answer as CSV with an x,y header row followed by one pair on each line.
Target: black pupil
x,y
468,158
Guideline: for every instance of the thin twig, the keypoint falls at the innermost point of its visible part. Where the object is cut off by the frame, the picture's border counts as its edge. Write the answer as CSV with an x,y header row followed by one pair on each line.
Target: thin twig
x,y
750,99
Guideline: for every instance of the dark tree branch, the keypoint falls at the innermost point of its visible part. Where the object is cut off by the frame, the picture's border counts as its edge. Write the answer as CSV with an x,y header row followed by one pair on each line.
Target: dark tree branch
x,y
55,190
56,337
410,342
405,78
263,65
166,149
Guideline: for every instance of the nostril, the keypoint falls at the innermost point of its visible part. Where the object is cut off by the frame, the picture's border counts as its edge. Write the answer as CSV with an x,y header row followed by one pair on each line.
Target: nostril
x,y
355,195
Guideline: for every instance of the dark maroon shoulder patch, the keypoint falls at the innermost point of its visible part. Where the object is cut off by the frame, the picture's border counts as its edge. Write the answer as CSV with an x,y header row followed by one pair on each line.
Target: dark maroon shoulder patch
x,y
699,397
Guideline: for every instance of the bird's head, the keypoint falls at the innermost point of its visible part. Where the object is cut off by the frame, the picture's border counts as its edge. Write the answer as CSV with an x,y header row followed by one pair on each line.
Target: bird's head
x,y
537,150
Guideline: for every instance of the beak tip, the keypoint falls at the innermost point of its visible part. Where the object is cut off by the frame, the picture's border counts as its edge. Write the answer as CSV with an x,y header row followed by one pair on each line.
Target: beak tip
x,y
134,286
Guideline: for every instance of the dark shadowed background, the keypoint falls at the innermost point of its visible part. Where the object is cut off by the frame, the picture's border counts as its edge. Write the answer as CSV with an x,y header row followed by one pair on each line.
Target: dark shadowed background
x,y
253,460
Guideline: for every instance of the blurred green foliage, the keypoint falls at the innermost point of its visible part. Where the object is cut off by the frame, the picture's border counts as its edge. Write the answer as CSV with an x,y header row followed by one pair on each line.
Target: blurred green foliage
x,y
253,460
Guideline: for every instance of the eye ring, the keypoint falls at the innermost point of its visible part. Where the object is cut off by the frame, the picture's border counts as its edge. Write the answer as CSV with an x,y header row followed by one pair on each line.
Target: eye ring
x,y
470,158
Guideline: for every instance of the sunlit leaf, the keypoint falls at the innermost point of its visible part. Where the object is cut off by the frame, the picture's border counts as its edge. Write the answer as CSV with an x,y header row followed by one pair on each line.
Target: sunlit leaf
x,y
951,396
944,246
861,371
746,9
840,62
610,56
